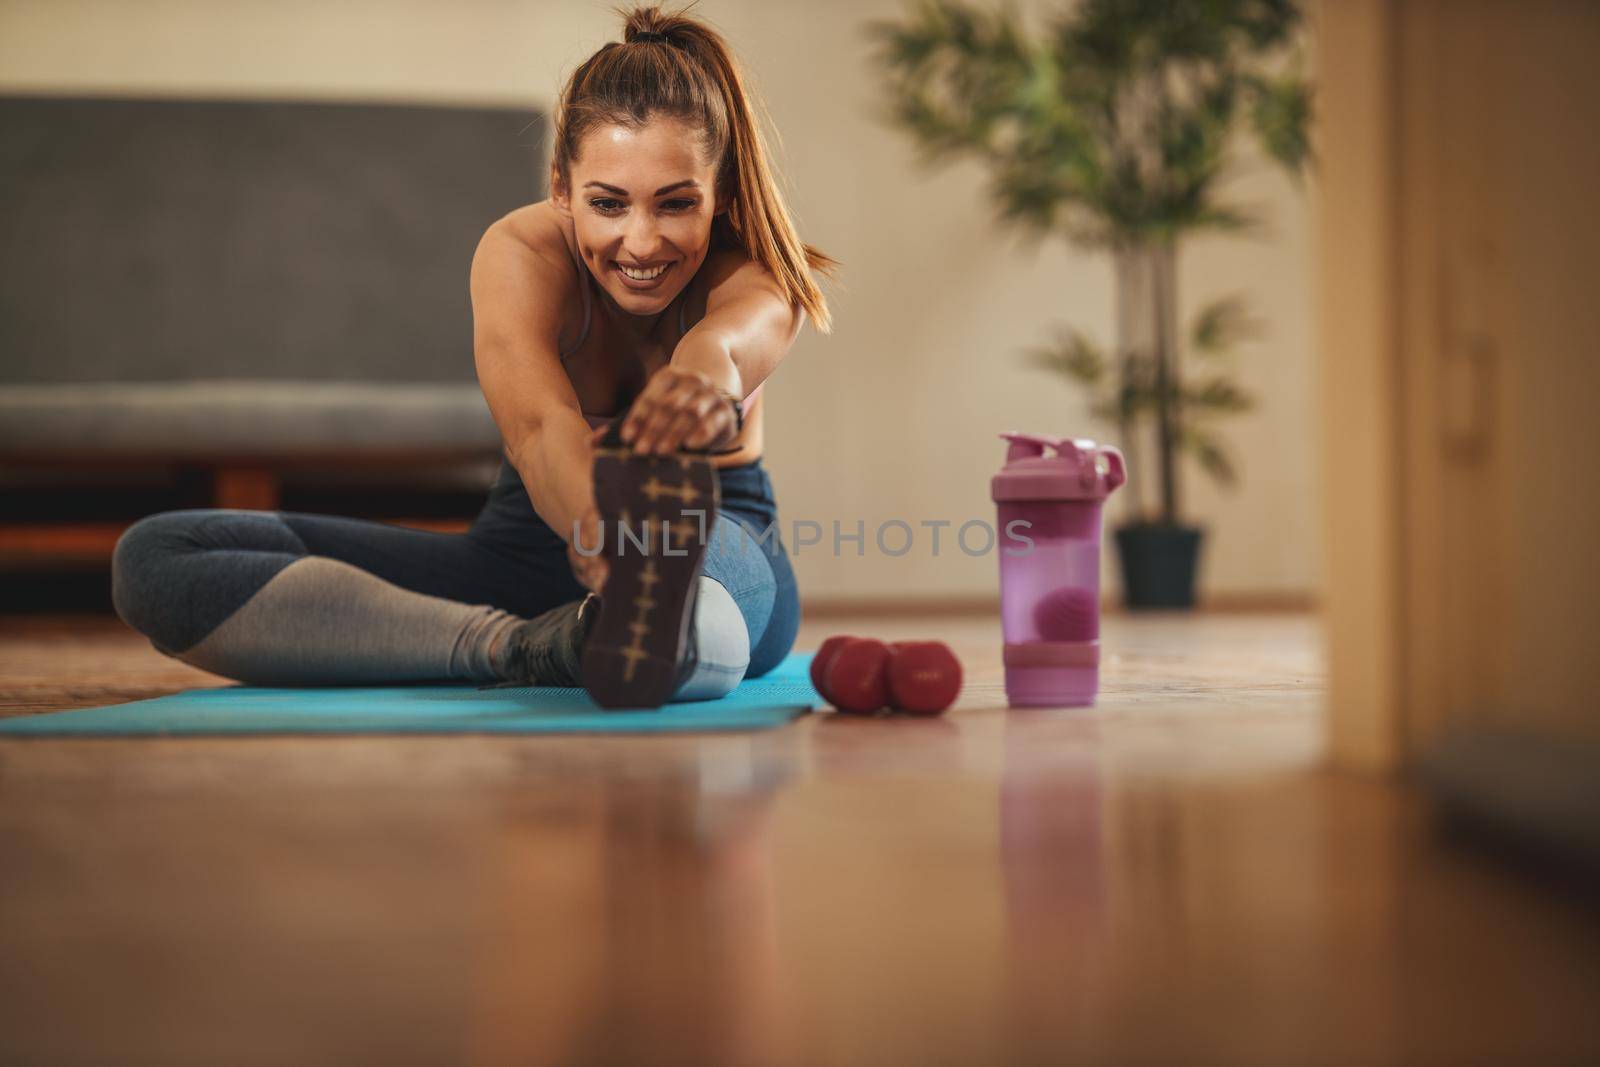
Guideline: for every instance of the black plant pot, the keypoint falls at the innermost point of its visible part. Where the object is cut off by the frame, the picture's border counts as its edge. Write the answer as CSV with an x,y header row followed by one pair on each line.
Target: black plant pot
x,y
1158,564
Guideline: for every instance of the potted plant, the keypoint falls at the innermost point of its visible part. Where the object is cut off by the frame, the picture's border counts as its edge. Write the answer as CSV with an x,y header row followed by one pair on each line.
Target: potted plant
x,y
1113,125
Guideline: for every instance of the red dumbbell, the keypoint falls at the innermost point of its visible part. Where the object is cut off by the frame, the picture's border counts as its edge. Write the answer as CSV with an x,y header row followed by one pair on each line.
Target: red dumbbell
x,y
819,663
924,677
853,679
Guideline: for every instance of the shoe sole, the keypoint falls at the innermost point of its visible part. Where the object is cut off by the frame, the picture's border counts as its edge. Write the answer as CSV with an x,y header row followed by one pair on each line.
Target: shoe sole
x,y
631,657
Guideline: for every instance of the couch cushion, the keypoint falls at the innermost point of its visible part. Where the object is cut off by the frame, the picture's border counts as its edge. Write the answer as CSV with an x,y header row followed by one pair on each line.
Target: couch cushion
x,y
256,419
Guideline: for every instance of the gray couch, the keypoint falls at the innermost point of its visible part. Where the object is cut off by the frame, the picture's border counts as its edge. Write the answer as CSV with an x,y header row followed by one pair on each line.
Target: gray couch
x,y
247,285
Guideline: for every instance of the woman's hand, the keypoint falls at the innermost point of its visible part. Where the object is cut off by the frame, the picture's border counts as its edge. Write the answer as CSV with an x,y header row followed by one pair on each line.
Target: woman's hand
x,y
678,409
590,569
589,566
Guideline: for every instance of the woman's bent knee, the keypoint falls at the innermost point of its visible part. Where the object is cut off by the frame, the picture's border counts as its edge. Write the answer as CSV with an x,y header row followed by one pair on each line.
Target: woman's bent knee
x,y
139,562
176,575
722,645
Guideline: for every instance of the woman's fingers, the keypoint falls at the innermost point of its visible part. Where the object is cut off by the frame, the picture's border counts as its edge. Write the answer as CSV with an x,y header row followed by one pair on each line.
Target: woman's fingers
x,y
589,570
711,429
664,382
676,433
585,554
676,409
712,424
671,427
645,413
674,415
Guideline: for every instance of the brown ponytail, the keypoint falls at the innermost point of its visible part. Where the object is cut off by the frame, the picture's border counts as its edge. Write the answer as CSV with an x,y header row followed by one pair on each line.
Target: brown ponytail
x,y
671,64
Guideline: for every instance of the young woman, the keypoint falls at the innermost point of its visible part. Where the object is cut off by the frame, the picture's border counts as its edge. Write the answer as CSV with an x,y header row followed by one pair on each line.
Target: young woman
x,y
623,331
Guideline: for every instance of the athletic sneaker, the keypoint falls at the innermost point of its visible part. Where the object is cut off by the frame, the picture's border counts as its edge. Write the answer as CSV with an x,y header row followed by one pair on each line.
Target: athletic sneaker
x,y
548,649
656,513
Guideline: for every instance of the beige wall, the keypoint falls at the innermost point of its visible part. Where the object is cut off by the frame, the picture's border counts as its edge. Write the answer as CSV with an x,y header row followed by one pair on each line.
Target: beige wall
x,y
894,416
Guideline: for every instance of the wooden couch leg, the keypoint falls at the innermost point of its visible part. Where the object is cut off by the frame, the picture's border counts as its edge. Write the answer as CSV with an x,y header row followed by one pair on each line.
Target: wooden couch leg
x,y
251,488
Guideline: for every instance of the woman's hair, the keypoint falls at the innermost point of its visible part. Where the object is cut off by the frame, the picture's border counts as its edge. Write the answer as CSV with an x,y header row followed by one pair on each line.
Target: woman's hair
x,y
670,64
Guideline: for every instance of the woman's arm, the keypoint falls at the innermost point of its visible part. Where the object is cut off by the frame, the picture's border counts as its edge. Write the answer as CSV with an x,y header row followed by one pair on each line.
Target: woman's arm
x,y
517,296
747,330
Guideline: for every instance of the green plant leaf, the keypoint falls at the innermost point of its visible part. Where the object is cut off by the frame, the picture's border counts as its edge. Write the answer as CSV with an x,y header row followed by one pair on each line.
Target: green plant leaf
x,y
1212,456
1071,354
1222,324
1281,116
1215,396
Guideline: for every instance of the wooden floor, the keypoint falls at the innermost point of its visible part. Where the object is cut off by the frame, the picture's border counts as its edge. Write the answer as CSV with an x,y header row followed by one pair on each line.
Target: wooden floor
x,y
1169,878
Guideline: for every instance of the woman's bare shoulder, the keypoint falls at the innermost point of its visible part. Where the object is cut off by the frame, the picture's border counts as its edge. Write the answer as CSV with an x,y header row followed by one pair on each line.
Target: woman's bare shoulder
x,y
538,227
524,274
731,273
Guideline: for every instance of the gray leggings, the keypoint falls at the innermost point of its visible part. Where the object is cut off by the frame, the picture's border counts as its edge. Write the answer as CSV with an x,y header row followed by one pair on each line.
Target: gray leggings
x,y
283,598
240,594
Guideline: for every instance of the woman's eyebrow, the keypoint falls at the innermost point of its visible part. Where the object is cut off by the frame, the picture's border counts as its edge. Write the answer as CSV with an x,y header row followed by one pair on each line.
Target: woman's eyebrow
x,y
687,183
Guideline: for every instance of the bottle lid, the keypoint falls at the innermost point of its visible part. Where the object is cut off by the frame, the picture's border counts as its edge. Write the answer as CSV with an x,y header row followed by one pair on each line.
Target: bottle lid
x,y
1057,468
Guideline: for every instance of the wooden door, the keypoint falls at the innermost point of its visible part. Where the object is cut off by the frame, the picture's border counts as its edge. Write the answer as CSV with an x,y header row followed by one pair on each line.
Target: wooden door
x,y
1461,327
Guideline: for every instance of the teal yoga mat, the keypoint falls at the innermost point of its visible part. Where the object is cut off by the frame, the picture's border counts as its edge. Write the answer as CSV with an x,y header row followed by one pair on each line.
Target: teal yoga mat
x,y
757,704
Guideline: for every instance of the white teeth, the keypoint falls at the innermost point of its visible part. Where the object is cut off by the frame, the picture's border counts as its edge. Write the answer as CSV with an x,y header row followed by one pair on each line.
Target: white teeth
x,y
643,275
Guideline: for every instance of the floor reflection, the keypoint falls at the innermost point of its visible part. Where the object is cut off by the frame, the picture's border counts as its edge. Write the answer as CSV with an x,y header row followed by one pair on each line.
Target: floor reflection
x,y
1053,860
642,919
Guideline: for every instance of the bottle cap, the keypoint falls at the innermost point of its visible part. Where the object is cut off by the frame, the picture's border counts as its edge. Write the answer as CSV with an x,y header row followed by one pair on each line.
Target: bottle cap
x,y
1057,468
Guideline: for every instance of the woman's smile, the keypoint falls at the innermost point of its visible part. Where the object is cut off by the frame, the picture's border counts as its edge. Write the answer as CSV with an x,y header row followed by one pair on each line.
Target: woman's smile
x,y
642,279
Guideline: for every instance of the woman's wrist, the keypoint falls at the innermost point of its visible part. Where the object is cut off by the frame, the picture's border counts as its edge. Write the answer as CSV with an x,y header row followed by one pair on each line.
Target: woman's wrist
x,y
737,406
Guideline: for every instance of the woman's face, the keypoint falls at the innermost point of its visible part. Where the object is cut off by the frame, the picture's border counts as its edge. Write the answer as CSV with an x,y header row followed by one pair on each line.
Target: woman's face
x,y
641,203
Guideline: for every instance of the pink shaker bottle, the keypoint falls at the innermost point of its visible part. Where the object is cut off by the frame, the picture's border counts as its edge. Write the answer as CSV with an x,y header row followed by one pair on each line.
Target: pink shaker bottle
x,y
1049,494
